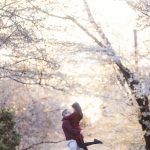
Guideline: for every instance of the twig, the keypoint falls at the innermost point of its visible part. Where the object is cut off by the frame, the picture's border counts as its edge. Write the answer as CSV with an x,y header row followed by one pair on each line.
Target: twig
x,y
42,142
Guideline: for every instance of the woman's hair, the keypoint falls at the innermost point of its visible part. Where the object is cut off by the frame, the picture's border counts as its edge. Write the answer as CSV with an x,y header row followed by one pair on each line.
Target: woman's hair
x,y
78,109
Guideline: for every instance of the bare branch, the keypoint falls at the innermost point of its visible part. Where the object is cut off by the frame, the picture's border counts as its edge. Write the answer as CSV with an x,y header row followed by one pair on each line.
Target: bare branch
x,y
86,31
73,20
45,12
145,13
43,142
96,26
7,38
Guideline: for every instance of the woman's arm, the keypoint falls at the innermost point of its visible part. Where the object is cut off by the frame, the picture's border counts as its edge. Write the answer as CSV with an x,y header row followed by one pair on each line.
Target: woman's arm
x,y
71,129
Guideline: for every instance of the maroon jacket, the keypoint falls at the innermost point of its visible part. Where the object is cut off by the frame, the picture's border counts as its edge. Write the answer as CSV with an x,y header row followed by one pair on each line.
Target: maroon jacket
x,y
74,120
69,131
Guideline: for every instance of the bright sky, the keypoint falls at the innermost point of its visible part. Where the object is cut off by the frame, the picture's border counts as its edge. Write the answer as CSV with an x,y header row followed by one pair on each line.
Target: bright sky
x,y
115,16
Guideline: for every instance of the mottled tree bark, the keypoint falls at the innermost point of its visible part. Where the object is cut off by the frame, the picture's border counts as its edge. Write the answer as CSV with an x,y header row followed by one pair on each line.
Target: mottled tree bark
x,y
142,101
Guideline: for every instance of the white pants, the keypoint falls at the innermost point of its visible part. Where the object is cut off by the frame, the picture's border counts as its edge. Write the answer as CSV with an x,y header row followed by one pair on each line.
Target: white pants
x,y
72,144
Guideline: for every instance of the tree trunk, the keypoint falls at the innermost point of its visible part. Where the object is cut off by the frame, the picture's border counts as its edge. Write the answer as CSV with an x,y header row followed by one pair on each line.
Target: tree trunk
x,y
141,99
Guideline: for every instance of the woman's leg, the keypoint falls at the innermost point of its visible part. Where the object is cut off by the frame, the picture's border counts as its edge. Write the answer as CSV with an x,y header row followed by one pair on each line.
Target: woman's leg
x,y
81,144
94,142
84,145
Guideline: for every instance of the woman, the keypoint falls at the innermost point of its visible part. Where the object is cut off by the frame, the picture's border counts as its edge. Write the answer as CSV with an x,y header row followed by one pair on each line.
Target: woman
x,y
75,119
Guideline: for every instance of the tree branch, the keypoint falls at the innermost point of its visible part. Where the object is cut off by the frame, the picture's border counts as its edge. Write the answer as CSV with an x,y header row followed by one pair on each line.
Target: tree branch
x,y
145,14
73,20
86,31
7,38
96,27
42,142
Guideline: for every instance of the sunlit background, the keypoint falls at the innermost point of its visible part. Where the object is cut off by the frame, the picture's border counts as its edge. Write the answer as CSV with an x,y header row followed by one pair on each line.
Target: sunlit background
x,y
84,74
